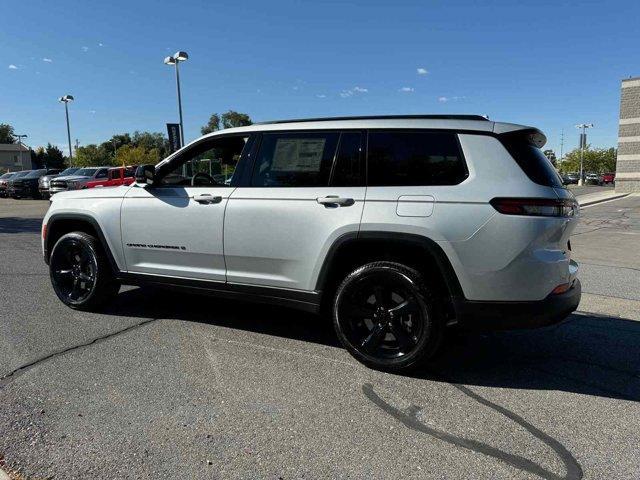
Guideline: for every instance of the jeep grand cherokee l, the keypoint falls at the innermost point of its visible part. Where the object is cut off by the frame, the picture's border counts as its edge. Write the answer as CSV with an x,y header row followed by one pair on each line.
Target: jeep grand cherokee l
x,y
398,227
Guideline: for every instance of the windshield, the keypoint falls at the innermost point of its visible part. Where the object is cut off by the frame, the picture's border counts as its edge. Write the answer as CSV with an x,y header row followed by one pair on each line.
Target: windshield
x,y
7,175
68,171
21,174
35,173
86,172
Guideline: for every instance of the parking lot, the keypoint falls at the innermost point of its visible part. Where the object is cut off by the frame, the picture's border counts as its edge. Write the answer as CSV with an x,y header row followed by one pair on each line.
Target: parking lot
x,y
165,384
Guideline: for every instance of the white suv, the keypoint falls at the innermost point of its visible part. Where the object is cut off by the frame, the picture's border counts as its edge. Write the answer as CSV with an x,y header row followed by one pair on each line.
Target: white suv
x,y
397,226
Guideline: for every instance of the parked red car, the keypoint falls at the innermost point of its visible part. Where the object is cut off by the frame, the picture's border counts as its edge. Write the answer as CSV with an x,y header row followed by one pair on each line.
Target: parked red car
x,y
117,176
608,178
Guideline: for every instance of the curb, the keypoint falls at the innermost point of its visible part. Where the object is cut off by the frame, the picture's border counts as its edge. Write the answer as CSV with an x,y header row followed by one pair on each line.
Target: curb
x,y
588,202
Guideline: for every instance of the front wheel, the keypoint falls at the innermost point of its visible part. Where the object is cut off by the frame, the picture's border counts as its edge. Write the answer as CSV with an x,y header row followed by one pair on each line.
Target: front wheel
x,y
80,272
384,315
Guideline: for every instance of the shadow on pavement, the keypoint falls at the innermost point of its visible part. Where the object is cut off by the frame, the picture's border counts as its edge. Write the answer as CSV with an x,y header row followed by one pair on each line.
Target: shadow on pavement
x,y
587,354
20,225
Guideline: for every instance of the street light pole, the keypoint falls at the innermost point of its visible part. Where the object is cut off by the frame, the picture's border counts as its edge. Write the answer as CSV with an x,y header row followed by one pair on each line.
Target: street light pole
x,y
20,137
583,143
66,99
175,60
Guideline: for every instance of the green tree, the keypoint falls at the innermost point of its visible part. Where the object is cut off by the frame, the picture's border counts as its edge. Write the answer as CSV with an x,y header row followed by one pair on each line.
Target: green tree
x,y
212,125
137,155
37,157
6,133
151,140
53,157
597,160
551,155
229,119
93,156
233,119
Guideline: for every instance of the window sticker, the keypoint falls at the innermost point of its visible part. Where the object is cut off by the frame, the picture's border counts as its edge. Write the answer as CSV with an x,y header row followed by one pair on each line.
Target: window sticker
x,y
298,155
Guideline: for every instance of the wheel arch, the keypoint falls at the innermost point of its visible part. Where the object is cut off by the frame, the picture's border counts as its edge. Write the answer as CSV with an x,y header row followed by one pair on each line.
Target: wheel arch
x,y
418,251
60,224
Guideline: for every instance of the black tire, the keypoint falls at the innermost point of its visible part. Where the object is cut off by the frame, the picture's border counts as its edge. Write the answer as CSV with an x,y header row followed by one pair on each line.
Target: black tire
x,y
383,299
80,272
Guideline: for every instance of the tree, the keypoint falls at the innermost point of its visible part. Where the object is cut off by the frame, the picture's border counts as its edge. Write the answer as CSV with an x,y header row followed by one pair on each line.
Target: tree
x,y
597,160
93,156
233,119
132,155
53,157
551,155
6,133
37,158
212,125
229,119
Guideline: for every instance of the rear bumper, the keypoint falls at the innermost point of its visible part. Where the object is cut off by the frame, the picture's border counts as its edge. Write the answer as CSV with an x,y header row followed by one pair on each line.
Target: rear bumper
x,y
474,315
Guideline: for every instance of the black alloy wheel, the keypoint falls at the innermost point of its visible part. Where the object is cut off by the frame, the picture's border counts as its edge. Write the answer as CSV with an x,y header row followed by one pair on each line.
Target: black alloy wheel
x,y
80,273
383,314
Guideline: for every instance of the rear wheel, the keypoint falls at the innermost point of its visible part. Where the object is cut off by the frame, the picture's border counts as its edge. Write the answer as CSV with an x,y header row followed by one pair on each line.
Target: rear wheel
x,y
80,272
384,315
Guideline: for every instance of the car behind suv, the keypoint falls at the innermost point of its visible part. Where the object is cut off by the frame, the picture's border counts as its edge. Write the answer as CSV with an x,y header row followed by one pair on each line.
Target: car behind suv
x,y
78,180
397,227
45,181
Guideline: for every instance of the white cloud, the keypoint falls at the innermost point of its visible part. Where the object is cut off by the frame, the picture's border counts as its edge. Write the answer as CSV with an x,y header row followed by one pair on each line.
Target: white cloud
x,y
321,95
407,89
353,91
13,67
455,98
100,44
85,49
48,60
422,71
92,112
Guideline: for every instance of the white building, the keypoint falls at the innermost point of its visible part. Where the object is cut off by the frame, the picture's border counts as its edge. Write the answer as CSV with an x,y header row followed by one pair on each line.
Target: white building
x,y
14,157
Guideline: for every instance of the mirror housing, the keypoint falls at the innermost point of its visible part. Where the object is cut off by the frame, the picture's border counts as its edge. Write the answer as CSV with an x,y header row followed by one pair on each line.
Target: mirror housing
x,y
146,174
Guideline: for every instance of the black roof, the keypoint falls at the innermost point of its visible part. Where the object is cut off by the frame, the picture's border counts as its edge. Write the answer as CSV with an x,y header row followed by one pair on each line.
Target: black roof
x,y
380,117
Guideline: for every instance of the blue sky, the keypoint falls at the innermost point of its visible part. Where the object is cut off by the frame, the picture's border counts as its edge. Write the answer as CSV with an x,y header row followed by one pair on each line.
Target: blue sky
x,y
551,64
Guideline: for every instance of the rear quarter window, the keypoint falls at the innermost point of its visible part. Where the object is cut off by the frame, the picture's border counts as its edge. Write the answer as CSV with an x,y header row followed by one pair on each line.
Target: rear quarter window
x,y
531,160
403,158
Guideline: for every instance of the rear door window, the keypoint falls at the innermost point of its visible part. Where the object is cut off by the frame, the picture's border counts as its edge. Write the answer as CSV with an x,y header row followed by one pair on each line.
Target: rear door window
x,y
404,158
348,170
531,160
294,159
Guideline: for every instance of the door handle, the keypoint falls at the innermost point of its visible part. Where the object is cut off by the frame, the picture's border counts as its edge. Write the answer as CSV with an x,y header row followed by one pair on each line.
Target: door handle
x,y
332,201
207,198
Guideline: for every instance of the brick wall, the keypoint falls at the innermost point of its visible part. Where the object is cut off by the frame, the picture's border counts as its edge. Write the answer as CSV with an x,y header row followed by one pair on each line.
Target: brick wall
x,y
628,162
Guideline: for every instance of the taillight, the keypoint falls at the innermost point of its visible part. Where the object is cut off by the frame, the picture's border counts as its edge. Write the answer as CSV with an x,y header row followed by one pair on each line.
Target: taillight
x,y
44,231
537,207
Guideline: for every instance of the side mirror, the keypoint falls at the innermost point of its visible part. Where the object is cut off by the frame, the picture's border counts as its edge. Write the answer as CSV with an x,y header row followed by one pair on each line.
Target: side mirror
x,y
146,174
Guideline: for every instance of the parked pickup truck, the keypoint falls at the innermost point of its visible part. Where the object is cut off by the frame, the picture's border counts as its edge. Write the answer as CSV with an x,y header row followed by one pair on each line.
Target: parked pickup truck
x,y
117,176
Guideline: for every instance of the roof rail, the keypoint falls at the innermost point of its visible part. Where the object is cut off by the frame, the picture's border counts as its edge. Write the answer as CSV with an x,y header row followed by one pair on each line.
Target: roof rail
x,y
379,117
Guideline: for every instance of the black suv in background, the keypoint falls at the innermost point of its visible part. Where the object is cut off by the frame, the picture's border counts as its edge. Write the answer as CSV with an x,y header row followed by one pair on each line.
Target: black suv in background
x,y
27,185
6,180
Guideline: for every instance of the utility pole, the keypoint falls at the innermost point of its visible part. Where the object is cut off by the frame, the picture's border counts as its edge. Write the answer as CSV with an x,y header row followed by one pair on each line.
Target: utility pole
x,y
561,145
583,144
77,145
20,145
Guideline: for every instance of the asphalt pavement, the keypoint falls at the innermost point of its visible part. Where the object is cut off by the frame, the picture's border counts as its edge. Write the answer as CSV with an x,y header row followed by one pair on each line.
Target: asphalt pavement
x,y
165,385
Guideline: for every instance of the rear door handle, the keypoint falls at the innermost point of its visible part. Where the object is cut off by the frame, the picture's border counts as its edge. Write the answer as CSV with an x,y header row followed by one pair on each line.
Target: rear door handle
x,y
207,198
335,201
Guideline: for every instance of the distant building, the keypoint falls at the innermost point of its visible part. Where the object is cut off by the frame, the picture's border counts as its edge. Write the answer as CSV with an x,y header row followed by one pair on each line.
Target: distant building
x,y
14,157
628,163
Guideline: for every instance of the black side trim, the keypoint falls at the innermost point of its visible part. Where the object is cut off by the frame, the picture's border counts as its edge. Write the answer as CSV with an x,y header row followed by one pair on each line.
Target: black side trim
x,y
57,217
485,316
307,301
